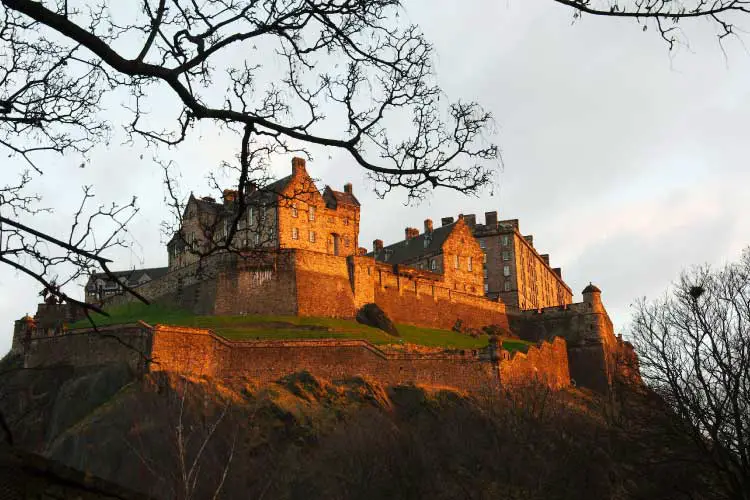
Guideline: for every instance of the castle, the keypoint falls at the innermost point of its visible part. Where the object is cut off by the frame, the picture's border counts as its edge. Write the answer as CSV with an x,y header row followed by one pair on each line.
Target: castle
x,y
290,249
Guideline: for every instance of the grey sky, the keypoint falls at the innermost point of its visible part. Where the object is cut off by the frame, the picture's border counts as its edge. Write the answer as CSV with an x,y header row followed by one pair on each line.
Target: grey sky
x,y
626,163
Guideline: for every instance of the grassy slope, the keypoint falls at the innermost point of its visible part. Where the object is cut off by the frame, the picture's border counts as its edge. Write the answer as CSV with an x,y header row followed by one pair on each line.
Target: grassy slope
x,y
292,327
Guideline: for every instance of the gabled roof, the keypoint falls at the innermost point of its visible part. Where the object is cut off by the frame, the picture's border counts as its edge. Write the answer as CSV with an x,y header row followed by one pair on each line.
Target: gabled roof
x,y
414,248
336,198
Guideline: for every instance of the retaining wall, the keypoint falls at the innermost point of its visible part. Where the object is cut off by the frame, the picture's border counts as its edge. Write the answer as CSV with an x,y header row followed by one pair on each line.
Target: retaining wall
x,y
202,353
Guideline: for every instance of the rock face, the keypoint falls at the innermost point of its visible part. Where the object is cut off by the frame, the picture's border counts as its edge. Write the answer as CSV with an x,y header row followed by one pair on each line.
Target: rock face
x,y
373,315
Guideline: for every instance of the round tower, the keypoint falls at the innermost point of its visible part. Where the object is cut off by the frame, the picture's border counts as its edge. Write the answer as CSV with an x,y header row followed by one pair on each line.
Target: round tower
x,y
593,296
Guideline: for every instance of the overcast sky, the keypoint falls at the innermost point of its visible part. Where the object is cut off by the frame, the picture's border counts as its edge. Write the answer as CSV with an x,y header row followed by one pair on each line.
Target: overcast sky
x,y
626,163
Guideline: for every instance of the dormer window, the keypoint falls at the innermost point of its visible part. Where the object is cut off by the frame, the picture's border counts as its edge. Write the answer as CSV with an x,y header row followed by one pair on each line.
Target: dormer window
x,y
433,264
388,253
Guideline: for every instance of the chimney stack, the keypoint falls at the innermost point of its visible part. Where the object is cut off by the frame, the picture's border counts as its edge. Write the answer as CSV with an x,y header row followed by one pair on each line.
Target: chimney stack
x,y
530,240
428,225
411,232
377,245
446,220
557,271
229,196
470,220
490,219
298,165
348,188
545,258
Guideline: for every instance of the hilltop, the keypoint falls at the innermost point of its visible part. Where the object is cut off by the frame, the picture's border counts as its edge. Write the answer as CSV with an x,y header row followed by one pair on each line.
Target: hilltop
x,y
307,437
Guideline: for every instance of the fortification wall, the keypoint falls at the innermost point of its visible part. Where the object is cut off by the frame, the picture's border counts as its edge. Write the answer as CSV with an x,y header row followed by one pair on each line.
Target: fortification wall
x,y
323,287
592,346
261,288
547,363
123,343
415,297
200,352
192,287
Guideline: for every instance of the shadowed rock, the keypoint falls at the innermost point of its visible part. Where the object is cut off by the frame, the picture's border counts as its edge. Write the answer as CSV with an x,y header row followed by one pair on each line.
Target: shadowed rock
x,y
373,315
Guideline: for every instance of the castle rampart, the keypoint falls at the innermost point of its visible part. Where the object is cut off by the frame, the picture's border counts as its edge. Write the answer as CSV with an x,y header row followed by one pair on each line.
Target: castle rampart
x,y
200,352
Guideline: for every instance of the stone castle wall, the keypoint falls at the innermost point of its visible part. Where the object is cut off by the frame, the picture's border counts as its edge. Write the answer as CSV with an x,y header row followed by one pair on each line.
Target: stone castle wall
x,y
305,283
200,352
420,298
124,343
593,350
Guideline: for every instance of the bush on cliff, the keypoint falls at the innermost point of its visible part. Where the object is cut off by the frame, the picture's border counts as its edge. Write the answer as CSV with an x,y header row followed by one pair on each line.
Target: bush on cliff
x,y
373,315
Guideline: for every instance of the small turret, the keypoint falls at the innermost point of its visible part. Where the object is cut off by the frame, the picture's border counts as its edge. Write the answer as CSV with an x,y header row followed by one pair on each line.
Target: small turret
x,y
592,295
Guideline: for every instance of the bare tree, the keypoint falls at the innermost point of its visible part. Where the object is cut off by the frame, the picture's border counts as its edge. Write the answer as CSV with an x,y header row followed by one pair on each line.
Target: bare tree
x,y
694,348
279,74
666,15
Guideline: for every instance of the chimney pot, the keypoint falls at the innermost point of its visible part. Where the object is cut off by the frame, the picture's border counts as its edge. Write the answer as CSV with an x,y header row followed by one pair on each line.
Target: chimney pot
x,y
428,225
377,245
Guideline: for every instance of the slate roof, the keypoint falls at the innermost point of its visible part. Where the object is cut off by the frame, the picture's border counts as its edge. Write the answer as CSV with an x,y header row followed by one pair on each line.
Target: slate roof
x,y
591,288
335,198
412,249
133,275
268,193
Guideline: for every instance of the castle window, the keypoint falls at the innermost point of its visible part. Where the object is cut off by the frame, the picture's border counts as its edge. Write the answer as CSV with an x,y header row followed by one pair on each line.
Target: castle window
x,y
506,240
506,270
486,288
469,264
311,236
485,274
507,285
455,262
506,256
257,238
346,221
346,241
482,244
295,213
295,233
250,216
433,264
311,215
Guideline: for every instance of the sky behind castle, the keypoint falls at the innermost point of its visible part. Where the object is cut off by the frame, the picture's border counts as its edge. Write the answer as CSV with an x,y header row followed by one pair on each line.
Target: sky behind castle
x,y
626,163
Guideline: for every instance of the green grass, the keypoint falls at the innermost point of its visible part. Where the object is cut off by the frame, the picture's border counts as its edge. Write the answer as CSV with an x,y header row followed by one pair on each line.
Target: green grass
x,y
258,327
516,345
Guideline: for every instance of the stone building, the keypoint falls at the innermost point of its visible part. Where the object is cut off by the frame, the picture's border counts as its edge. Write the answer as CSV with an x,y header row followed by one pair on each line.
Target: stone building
x,y
449,250
100,286
290,213
514,271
